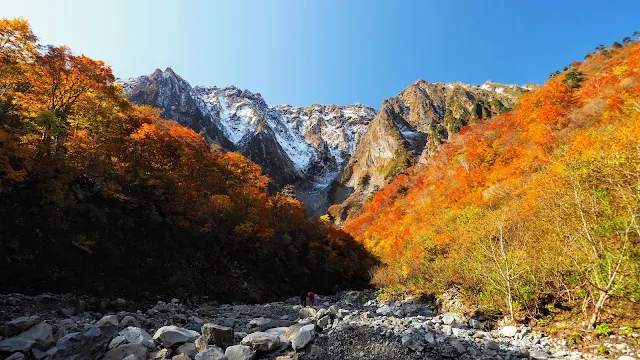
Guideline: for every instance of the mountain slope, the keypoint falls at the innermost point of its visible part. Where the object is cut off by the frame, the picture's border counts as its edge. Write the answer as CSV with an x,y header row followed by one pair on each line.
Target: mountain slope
x,y
306,147
530,210
410,128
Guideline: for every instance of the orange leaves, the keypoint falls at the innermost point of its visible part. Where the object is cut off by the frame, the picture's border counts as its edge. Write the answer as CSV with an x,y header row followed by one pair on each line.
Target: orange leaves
x,y
494,163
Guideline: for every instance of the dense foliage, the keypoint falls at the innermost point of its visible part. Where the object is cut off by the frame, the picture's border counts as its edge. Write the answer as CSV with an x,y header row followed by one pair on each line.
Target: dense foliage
x,y
101,196
534,207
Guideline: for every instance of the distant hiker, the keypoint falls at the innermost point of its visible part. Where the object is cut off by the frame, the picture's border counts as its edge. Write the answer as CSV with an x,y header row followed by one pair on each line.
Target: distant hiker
x,y
307,297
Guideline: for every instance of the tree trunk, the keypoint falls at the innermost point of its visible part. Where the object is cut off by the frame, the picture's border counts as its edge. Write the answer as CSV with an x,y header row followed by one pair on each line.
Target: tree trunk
x,y
602,299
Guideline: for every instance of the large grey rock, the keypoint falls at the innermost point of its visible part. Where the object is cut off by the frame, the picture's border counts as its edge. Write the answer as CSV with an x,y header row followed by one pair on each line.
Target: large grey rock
x,y
88,345
41,334
136,335
19,325
324,321
429,338
138,351
477,324
508,331
452,318
262,324
261,341
112,319
354,297
129,321
212,353
456,344
15,344
240,352
172,336
214,334
188,349
303,337
16,356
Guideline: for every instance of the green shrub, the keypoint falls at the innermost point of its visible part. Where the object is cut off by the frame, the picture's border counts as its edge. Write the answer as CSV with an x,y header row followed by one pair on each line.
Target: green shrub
x,y
602,350
603,329
574,337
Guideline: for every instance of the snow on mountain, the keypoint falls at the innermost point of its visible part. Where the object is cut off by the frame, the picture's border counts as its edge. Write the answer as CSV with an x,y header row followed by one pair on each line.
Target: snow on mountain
x,y
304,146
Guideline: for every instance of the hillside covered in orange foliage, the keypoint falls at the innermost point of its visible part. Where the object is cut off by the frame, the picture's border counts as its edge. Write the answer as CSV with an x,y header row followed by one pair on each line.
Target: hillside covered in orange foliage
x,y
101,196
537,206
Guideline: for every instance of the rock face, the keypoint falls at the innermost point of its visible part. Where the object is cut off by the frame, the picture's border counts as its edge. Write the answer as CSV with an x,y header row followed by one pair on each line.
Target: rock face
x,y
411,127
307,147
327,152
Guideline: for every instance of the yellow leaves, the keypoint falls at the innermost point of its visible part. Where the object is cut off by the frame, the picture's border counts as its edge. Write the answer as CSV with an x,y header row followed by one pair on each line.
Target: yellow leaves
x,y
221,203
620,71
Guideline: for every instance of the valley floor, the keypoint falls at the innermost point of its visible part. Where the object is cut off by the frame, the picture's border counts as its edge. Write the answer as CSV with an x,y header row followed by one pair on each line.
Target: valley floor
x,y
344,326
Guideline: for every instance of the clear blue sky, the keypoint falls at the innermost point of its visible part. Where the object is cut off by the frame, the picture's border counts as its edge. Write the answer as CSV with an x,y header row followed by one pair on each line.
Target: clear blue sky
x,y
344,51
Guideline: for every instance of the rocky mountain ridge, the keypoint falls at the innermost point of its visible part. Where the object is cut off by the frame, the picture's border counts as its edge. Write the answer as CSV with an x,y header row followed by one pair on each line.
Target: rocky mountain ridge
x,y
330,153
307,147
410,128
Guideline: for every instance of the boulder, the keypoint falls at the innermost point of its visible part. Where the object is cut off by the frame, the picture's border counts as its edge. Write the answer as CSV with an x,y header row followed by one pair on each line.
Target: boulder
x,y
214,334
180,357
41,334
112,319
491,345
240,352
456,344
16,356
262,324
88,345
453,319
212,353
303,337
19,325
172,336
136,335
307,312
261,341
117,341
188,349
429,338
137,351
353,297
508,331
324,322
477,324
130,321
16,344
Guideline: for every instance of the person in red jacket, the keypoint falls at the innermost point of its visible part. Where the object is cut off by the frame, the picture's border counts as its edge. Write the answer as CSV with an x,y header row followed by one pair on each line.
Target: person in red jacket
x,y
307,297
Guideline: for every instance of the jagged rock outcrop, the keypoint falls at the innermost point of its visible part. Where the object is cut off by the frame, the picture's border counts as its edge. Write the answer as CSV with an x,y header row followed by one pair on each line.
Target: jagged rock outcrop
x,y
329,153
306,147
411,127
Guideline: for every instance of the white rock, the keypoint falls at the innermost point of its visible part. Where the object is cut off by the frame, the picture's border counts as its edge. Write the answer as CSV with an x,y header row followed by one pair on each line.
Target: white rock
x,y
508,331
261,341
240,352
172,336
303,337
